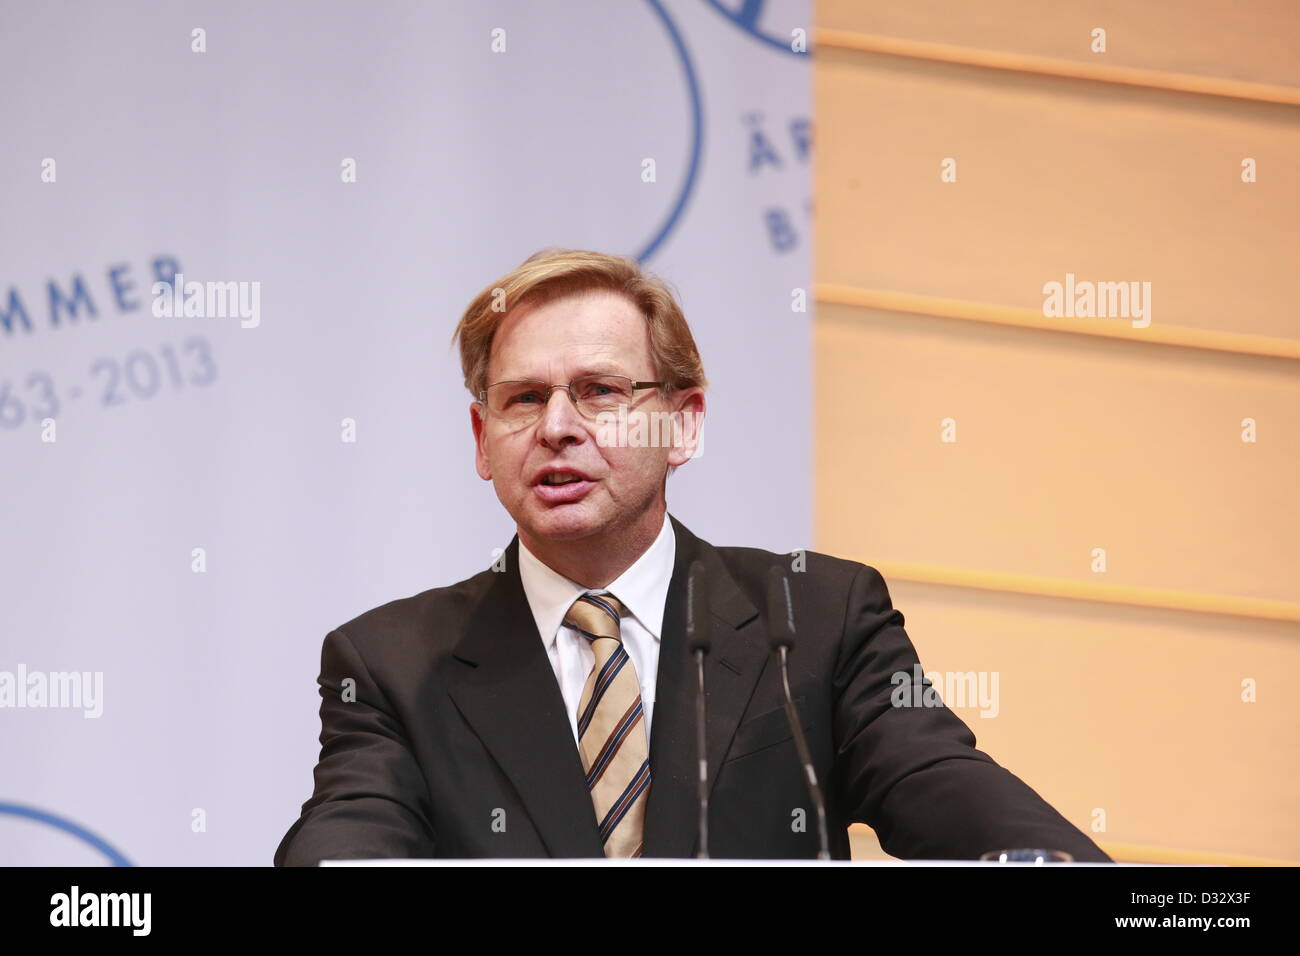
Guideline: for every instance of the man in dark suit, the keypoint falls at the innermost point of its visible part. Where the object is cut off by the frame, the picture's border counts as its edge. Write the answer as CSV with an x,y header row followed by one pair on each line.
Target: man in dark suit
x,y
546,706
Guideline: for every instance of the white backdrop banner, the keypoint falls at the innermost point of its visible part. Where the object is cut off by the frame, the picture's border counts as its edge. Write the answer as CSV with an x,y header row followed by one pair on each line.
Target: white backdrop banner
x,y
184,518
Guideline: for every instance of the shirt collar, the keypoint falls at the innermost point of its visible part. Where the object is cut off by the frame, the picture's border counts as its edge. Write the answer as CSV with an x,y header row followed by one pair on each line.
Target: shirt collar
x,y
642,588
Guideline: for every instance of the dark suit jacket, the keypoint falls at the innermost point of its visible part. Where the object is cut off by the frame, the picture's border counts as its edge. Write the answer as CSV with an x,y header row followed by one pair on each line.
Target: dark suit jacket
x,y
458,745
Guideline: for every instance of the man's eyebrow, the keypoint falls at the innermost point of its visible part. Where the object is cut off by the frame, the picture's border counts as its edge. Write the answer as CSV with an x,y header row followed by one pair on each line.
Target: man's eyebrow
x,y
597,369
600,369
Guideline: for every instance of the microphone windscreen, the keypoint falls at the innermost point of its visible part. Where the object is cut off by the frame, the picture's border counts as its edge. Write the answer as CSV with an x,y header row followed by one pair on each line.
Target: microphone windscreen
x,y
780,609
698,631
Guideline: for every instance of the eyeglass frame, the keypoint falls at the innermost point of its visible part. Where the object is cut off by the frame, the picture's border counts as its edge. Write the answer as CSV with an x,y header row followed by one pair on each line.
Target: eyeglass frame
x,y
549,389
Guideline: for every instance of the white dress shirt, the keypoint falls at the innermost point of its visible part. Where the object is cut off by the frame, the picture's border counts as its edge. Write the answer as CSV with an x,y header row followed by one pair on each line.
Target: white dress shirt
x,y
642,589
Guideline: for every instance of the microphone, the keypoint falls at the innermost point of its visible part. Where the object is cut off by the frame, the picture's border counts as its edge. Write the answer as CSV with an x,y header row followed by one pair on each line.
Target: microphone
x,y
699,643
780,620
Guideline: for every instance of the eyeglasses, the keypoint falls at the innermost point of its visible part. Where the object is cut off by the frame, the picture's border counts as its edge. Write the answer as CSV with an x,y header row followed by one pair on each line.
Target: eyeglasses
x,y
521,401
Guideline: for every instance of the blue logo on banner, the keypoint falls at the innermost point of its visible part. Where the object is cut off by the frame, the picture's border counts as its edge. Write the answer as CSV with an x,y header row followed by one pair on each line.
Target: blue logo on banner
x,y
697,133
115,858
747,17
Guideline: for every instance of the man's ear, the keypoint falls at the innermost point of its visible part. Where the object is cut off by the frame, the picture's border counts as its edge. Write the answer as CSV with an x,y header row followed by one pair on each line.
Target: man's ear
x,y
481,463
688,421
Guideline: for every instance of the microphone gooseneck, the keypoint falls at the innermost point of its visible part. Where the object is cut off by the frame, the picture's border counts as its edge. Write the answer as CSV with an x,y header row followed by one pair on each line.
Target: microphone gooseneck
x,y
699,643
780,617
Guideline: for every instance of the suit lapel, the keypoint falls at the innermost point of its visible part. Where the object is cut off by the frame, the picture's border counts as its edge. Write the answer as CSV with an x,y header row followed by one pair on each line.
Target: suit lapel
x,y
505,687
730,673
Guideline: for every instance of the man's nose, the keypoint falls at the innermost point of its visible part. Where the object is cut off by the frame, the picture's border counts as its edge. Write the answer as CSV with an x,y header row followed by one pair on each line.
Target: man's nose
x,y
560,419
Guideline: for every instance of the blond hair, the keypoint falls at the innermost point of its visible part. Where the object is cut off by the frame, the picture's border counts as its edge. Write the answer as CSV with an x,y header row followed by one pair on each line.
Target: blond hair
x,y
555,273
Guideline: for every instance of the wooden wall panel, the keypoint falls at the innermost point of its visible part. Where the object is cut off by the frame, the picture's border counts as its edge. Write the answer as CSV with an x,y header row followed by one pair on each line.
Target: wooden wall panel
x,y
1248,41
1133,711
1069,442
1065,443
1054,177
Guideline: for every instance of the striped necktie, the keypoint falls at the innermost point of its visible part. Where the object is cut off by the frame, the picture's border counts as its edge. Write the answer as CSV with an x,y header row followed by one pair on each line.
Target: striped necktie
x,y
611,728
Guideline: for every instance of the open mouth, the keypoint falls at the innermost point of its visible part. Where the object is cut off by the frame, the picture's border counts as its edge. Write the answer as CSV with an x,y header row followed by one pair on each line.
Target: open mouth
x,y
561,478
562,487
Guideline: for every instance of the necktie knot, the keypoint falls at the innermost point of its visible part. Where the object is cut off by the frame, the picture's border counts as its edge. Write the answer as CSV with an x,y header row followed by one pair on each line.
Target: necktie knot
x,y
596,616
